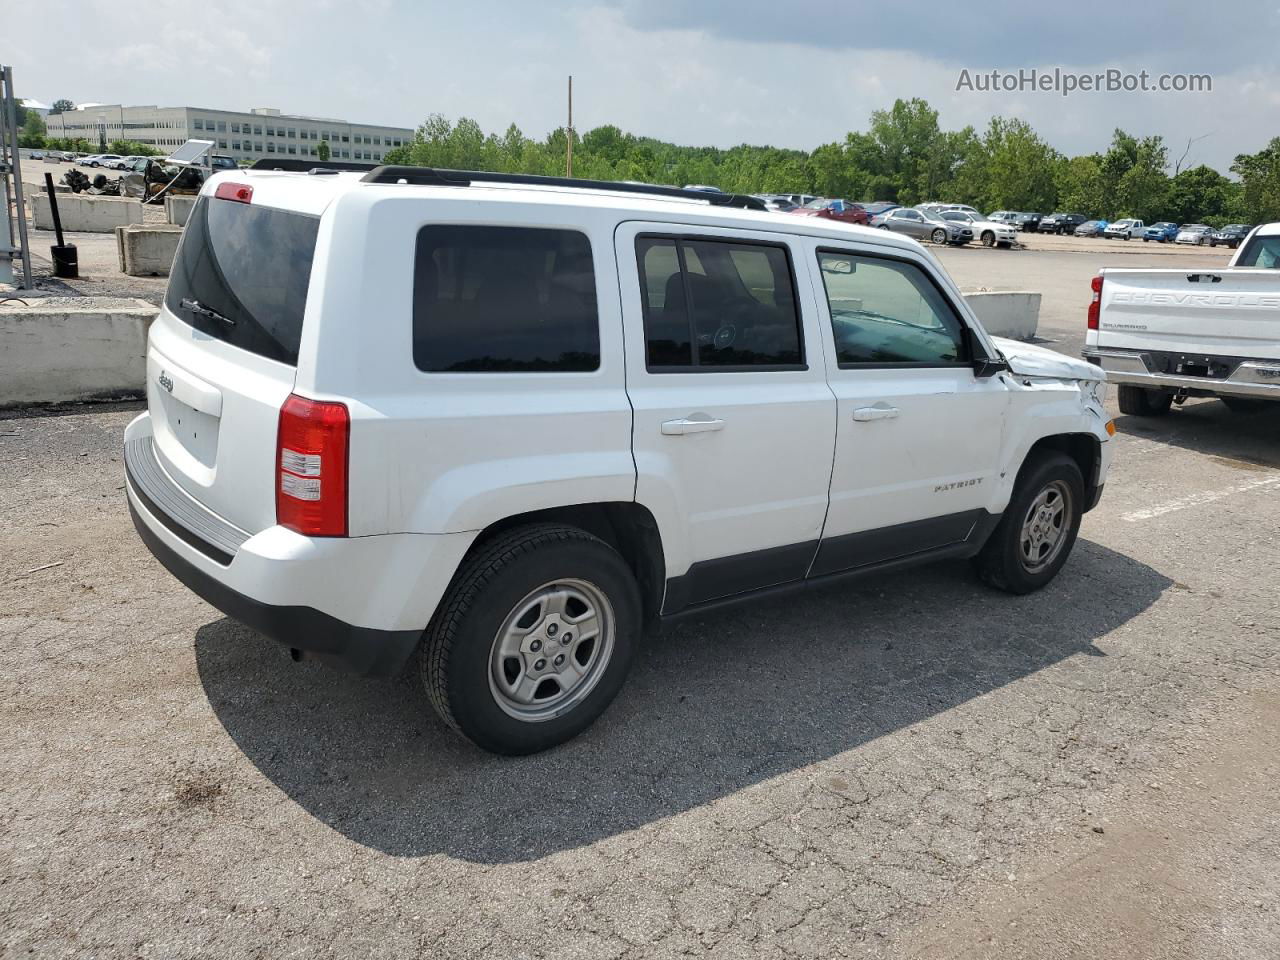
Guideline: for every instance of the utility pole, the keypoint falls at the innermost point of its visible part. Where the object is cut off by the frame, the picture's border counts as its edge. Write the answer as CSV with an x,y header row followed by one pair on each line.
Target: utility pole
x,y
568,160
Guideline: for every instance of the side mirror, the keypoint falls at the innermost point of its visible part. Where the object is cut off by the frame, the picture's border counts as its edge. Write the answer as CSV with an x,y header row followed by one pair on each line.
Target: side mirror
x,y
983,366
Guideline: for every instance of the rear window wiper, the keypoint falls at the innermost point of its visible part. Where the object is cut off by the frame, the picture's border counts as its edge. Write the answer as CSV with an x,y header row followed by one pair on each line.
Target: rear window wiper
x,y
195,306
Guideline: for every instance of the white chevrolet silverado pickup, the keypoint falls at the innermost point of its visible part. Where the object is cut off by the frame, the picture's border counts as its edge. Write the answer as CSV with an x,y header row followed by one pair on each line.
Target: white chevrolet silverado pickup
x,y
1168,334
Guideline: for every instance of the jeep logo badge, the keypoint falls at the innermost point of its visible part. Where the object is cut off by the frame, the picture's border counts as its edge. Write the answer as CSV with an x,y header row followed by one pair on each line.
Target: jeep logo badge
x,y
166,382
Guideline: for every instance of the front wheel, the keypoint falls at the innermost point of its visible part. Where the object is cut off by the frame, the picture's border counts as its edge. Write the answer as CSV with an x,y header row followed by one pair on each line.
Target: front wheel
x,y
988,239
939,236
533,639
1039,527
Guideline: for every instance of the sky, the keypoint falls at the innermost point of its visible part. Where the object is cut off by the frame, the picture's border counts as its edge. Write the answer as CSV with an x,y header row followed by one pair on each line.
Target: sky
x,y
704,72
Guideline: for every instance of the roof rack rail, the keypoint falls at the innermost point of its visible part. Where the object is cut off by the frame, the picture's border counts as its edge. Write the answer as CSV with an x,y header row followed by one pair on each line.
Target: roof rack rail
x,y
307,166
433,176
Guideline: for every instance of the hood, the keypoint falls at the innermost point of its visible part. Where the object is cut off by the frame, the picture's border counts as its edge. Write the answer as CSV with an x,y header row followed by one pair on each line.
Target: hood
x,y
1028,360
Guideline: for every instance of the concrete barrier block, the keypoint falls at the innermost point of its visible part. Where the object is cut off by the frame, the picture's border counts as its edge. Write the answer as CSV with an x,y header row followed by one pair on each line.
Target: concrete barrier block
x,y
1006,313
147,251
86,214
177,207
57,188
66,349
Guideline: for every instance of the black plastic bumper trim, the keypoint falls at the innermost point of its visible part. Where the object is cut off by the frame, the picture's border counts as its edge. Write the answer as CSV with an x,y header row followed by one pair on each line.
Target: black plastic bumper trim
x,y
362,650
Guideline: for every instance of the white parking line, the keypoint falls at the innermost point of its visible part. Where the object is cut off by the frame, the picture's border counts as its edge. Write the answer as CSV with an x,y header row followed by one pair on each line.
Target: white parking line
x,y
1195,499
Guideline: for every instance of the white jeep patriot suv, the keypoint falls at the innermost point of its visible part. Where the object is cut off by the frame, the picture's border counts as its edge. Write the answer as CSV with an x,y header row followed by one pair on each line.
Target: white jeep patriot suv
x,y
497,425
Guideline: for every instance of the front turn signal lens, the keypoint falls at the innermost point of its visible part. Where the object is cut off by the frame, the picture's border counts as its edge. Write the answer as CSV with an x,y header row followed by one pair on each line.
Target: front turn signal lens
x,y
1111,428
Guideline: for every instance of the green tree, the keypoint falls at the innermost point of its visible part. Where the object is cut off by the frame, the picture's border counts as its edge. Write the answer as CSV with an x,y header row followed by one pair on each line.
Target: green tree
x,y
33,131
62,106
1259,175
1202,193
322,150
132,148
1080,186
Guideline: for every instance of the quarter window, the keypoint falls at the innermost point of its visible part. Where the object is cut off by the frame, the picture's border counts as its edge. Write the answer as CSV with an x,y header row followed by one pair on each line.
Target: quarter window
x,y
714,303
504,300
888,312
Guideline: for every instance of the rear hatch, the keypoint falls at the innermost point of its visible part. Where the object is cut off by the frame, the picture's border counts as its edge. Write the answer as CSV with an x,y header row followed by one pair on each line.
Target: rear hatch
x,y
223,354
1224,313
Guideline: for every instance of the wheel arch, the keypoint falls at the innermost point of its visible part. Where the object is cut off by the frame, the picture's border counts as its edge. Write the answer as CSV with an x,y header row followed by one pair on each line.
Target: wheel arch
x,y
1085,449
626,526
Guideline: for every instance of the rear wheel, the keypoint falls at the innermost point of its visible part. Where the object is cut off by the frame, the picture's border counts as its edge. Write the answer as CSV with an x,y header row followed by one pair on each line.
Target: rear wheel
x,y
533,639
1039,527
1141,402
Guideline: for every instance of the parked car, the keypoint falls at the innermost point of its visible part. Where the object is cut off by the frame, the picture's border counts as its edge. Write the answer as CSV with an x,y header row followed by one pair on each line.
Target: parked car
x,y
37,154
1164,232
988,232
100,159
800,199
705,188
775,202
1091,228
1162,335
1061,223
1125,229
841,210
1005,216
924,225
1197,233
1029,222
1232,235
366,500
877,207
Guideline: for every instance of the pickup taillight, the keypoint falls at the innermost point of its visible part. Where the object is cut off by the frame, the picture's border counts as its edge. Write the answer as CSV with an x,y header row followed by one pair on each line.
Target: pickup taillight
x,y
311,467
1095,305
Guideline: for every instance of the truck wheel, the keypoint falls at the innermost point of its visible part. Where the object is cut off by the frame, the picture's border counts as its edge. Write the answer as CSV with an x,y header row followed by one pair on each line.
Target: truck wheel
x,y
532,640
1141,402
1039,527
1244,404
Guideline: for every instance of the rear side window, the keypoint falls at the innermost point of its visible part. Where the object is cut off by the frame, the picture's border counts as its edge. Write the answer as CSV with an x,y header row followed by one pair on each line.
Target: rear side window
x,y
504,300
241,275
712,304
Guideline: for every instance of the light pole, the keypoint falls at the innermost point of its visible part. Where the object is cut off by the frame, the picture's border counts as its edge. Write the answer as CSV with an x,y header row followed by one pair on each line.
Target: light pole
x,y
102,133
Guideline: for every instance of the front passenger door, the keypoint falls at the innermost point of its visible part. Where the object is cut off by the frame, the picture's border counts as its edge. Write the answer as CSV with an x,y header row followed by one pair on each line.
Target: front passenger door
x,y
918,433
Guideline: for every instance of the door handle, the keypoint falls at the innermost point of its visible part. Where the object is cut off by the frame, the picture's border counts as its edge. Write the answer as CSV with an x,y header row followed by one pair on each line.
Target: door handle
x,y
694,423
878,412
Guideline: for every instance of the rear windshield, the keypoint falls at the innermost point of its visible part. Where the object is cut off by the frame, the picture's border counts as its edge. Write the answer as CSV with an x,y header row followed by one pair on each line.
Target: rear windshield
x,y
1261,252
241,275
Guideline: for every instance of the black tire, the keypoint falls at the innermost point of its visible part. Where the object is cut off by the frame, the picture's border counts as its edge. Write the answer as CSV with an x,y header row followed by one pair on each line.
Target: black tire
x,y
884,226
1245,404
1141,402
988,239
455,655
938,236
1001,562
1145,239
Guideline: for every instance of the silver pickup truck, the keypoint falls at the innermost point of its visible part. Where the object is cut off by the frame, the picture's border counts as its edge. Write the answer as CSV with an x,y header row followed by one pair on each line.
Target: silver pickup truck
x,y
1168,334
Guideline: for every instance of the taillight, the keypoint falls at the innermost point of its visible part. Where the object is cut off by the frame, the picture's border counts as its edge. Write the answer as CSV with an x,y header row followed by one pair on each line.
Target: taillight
x,y
240,192
1095,305
311,467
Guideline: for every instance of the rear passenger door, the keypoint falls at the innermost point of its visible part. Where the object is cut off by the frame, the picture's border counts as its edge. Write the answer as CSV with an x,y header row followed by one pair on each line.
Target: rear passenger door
x,y
734,424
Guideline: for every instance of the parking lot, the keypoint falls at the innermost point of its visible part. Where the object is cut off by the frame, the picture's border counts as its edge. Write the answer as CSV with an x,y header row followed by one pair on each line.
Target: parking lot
x,y
910,766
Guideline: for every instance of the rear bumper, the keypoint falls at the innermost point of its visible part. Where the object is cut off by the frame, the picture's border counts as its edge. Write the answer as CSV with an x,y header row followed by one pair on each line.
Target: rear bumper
x,y
360,603
1249,378
361,650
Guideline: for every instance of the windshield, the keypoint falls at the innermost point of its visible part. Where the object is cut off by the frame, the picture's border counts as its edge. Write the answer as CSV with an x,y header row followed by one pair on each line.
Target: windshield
x,y
241,276
816,204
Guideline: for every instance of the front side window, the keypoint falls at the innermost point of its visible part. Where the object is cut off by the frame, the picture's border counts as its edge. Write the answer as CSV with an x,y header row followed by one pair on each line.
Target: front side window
x,y
1261,251
887,311
504,300
715,303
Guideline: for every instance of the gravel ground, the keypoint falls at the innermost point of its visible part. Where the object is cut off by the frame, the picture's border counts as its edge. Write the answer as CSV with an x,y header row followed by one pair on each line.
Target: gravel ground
x,y
911,766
